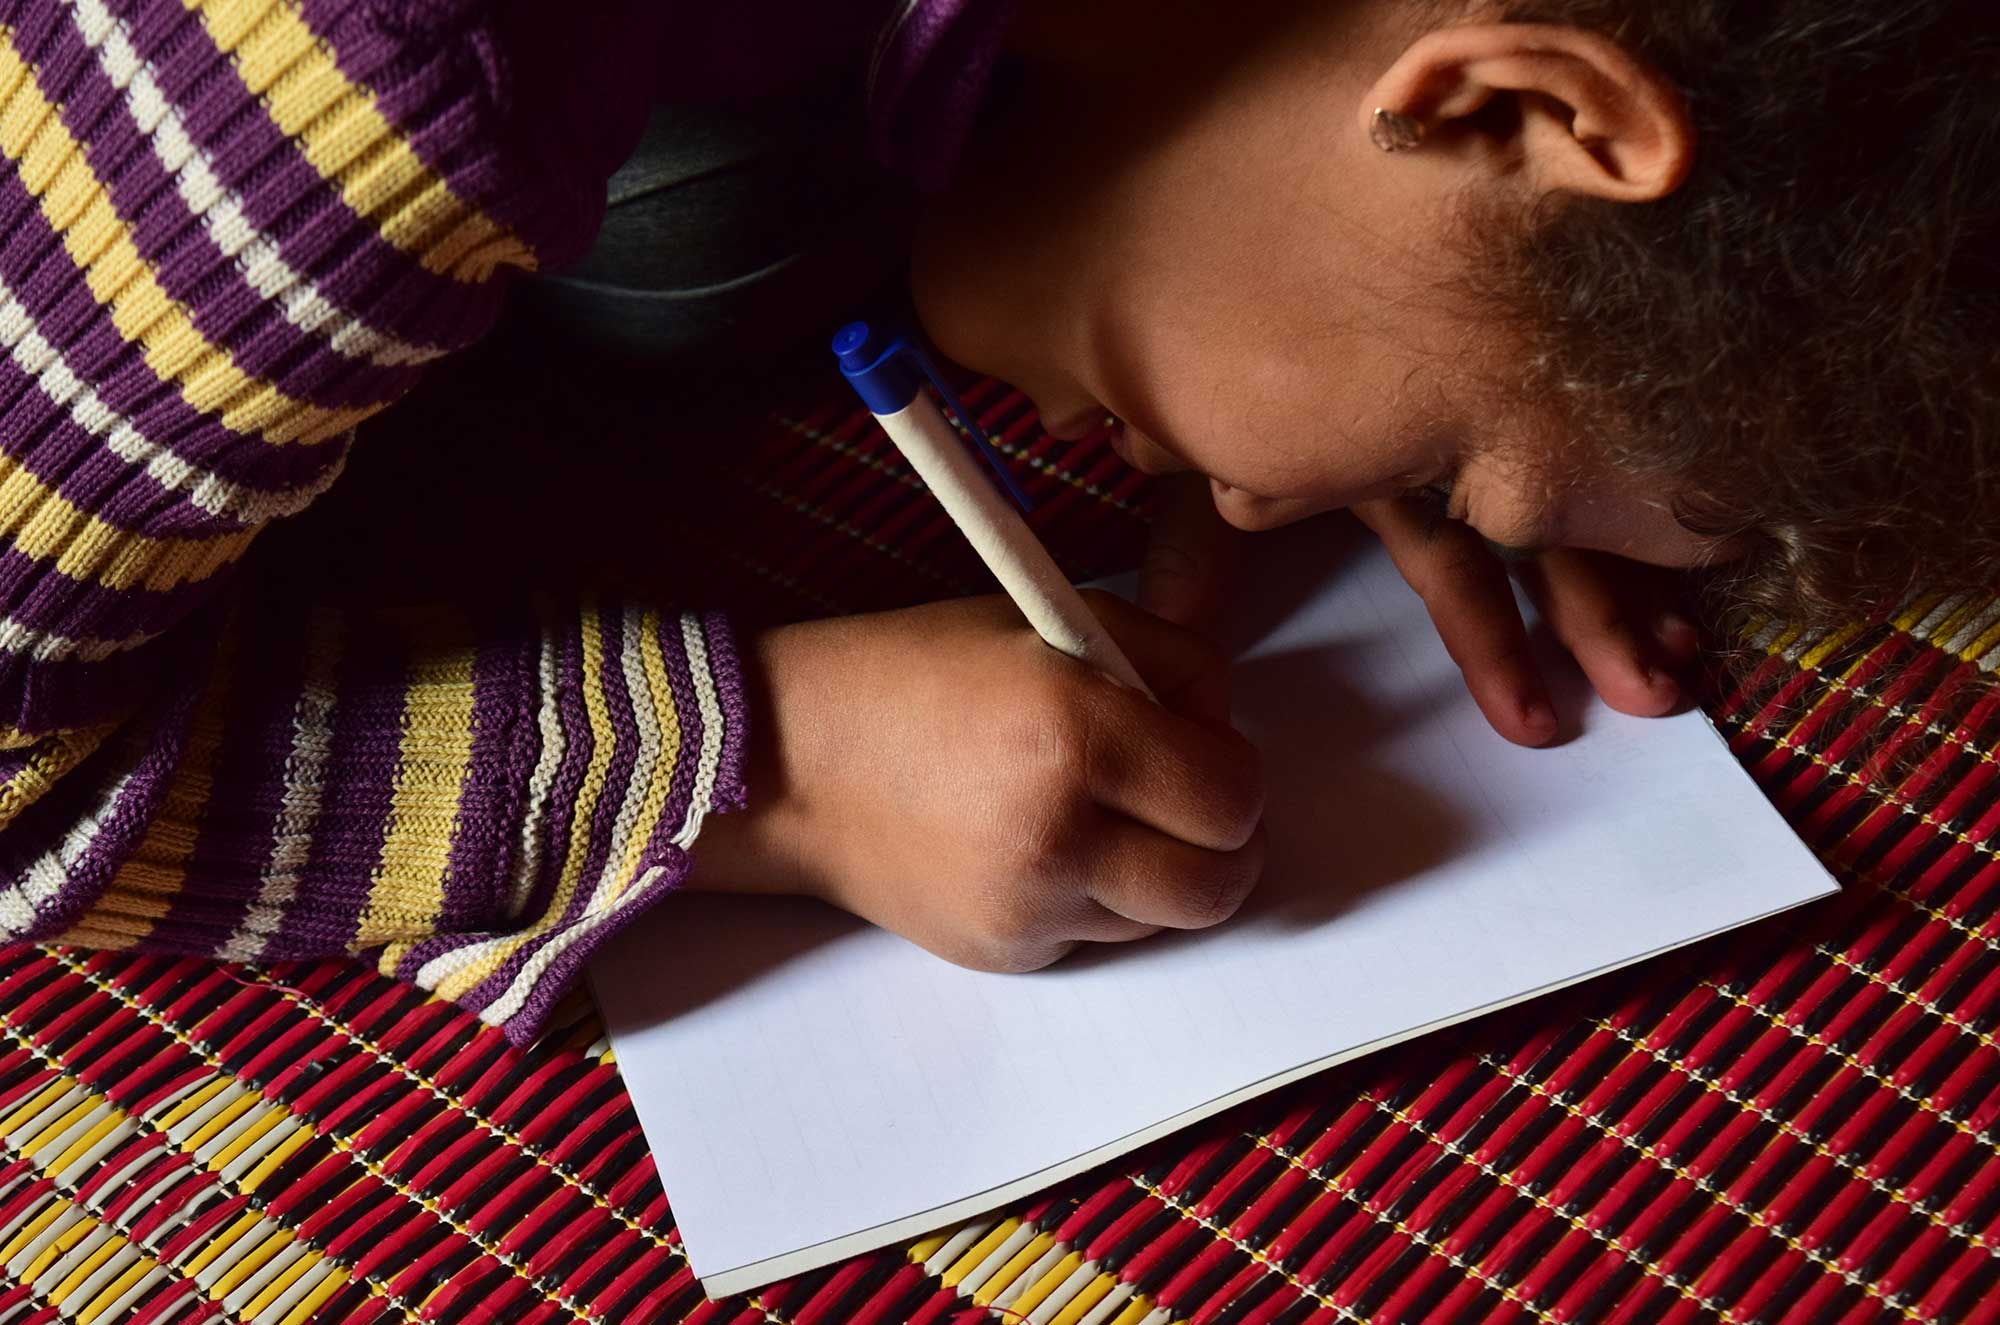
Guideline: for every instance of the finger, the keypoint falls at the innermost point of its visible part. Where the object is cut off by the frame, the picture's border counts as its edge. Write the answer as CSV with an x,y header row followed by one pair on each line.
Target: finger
x,y
1187,672
1471,603
1191,555
1153,879
1602,609
1199,782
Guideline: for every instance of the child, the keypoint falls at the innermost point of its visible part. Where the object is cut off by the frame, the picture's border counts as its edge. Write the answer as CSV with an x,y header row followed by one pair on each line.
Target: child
x,y
1587,283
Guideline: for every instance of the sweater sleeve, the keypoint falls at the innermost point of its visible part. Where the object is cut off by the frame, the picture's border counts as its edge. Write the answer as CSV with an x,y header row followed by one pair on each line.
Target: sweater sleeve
x,y
230,230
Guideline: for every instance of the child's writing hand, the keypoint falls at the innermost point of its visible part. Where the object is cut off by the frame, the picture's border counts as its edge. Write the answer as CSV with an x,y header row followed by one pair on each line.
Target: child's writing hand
x,y
1614,615
943,773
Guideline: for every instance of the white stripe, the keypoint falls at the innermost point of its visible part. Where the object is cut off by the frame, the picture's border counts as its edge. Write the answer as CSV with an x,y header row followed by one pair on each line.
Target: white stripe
x,y
298,812
1961,639
207,490
47,646
1937,615
646,766
534,823
20,902
222,212
711,730
505,1006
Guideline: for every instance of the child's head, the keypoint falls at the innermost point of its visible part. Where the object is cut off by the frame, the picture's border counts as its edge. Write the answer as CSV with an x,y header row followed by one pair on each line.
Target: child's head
x,y
1684,280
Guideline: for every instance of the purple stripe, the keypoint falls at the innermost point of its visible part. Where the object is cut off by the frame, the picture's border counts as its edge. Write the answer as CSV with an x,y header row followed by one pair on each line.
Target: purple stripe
x,y
624,759
680,681
362,757
41,597
246,788
567,966
286,198
150,747
15,762
523,109
186,260
43,439
34,262
491,803
617,776
725,668
579,742
48,696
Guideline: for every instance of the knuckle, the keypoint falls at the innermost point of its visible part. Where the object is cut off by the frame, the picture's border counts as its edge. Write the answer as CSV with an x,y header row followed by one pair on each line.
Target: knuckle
x,y
1219,892
1236,790
1014,929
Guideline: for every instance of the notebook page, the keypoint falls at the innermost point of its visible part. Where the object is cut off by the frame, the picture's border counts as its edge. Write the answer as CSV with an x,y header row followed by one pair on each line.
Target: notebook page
x,y
813,1088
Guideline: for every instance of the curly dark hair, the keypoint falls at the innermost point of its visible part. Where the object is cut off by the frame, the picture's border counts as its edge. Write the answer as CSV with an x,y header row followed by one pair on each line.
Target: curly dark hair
x,y
1805,337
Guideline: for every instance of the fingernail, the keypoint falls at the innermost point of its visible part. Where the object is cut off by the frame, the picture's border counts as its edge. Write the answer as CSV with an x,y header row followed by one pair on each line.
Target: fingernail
x,y
1539,719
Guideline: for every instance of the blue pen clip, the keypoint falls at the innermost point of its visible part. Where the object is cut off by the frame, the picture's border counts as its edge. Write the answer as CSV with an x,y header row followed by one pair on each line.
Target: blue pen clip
x,y
882,375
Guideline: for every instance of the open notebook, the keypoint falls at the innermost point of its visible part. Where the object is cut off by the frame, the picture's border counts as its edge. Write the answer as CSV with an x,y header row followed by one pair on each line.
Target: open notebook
x,y
813,1088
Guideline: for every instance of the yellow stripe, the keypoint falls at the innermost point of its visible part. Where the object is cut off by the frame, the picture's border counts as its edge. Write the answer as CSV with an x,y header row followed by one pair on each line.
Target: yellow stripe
x,y
31,1230
1047,1284
1135,1311
1080,1306
1014,1269
1835,640
42,1099
62,752
978,1252
283,1151
76,1148
60,1248
42,523
225,1118
310,1304
923,1249
55,1127
668,719
1907,620
87,1267
1977,649
274,1241
406,894
352,144
148,881
274,1290
218,1242
114,1290
191,1103
251,1136
53,168
602,743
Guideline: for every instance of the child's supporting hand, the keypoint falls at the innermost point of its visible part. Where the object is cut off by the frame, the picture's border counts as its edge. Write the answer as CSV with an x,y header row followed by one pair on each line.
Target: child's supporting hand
x,y
1615,616
943,773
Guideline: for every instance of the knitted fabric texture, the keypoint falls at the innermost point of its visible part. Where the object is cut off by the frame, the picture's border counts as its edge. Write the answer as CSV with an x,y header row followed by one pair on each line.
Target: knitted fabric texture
x,y
230,230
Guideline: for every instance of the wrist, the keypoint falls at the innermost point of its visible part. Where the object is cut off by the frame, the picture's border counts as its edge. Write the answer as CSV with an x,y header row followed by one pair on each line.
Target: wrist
x,y
765,847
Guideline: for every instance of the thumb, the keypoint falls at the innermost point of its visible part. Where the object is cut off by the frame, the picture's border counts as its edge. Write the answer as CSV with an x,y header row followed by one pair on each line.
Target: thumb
x,y
1191,555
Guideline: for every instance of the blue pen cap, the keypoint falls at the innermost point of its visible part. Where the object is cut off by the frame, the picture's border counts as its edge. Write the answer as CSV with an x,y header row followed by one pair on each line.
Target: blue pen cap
x,y
885,377
888,372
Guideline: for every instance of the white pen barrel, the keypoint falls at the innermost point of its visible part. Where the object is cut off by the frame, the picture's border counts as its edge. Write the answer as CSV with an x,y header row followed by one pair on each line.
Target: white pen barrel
x,y
1003,540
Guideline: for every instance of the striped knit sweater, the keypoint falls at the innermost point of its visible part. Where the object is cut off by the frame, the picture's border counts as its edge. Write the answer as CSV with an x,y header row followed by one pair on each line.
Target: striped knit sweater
x,y
229,231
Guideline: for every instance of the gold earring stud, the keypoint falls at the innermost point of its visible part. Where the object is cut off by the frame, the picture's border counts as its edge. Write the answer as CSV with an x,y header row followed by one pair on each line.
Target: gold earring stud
x,y
1393,131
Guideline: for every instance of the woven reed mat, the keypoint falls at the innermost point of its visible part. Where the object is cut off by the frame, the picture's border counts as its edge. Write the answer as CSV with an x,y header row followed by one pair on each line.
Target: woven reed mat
x,y
1797,1123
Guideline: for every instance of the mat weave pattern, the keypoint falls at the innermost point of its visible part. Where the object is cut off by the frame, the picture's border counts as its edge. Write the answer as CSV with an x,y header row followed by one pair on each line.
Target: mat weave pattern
x,y
1798,1123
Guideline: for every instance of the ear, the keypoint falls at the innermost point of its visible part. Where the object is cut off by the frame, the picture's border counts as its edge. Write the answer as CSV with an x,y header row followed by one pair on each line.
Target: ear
x,y
1586,116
